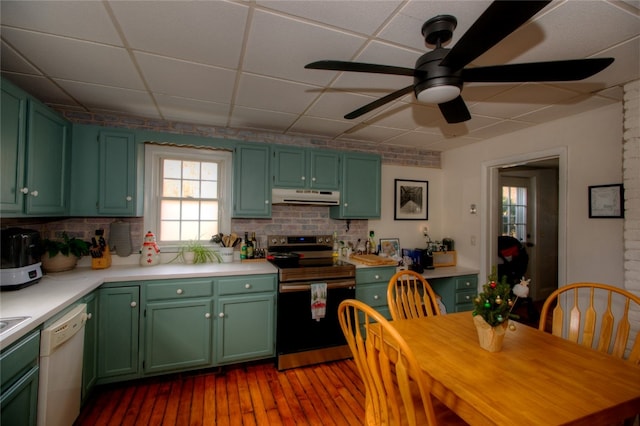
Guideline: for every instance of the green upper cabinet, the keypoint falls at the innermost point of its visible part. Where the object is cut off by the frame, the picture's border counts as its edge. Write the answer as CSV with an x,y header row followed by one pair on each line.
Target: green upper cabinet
x,y
105,180
117,175
12,140
251,188
294,167
36,155
360,190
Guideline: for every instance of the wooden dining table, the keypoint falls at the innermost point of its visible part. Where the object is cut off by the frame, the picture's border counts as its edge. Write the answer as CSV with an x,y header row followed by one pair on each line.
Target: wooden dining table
x,y
536,379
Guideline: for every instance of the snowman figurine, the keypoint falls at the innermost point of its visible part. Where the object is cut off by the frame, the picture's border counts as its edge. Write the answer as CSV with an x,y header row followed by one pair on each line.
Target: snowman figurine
x,y
150,252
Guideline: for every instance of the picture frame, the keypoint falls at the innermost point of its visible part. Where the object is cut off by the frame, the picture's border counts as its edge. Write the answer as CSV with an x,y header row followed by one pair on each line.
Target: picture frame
x,y
411,199
606,201
390,247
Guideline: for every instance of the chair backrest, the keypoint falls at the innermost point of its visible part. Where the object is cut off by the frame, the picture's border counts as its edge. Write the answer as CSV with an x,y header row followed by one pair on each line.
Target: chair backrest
x,y
598,316
387,366
409,295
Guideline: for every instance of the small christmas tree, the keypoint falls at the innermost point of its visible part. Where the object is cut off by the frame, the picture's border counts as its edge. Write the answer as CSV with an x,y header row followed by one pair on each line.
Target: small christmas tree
x,y
494,304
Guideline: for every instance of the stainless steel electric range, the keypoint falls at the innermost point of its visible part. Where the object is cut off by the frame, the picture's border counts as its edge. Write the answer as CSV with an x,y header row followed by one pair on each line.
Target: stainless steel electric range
x,y
303,261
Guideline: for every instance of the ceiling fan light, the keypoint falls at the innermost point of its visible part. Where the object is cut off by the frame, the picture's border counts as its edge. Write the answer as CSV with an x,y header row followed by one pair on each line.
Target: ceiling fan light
x,y
438,94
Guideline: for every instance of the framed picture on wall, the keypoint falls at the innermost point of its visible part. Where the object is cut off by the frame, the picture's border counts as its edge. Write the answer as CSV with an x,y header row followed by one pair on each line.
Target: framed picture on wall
x,y
411,199
606,201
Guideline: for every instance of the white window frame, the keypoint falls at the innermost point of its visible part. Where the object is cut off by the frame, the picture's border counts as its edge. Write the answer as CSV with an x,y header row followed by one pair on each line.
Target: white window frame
x,y
153,153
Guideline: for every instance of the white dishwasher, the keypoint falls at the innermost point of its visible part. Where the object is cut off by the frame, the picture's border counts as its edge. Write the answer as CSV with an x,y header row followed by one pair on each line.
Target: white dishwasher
x,y
61,349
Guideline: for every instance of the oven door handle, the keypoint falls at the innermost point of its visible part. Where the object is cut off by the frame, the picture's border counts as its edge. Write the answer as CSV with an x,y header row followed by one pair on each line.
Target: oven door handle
x,y
289,288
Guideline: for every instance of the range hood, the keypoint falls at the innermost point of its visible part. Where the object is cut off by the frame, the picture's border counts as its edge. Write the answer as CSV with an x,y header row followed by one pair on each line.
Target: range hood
x,y
312,197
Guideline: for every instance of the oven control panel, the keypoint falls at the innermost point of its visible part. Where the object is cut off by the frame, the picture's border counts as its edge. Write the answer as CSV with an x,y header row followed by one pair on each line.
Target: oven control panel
x,y
299,241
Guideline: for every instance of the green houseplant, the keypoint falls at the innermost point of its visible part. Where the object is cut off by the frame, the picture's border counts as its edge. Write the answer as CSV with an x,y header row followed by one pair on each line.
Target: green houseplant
x,y
62,255
196,252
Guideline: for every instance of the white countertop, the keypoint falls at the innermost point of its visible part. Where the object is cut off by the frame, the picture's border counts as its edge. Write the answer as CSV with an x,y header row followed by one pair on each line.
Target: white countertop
x,y
56,291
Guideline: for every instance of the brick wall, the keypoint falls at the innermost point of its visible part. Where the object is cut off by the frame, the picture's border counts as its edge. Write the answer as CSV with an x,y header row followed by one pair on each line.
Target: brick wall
x,y
631,176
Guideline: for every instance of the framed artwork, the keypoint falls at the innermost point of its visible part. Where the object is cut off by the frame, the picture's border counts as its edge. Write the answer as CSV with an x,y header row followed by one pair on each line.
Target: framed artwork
x,y
606,201
390,246
411,200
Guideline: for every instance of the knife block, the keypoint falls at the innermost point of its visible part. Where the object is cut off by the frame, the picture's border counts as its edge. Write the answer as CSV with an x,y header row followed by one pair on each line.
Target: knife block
x,y
102,262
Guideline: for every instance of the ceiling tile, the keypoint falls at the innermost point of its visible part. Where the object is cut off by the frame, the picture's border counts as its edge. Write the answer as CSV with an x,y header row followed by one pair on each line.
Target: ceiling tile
x,y
277,95
415,139
186,79
320,126
85,20
209,32
335,104
12,61
249,118
111,98
577,105
44,89
193,111
499,128
281,47
373,133
358,16
76,60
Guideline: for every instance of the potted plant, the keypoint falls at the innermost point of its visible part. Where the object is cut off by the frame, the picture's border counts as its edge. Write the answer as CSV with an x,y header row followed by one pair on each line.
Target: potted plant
x,y
196,252
62,255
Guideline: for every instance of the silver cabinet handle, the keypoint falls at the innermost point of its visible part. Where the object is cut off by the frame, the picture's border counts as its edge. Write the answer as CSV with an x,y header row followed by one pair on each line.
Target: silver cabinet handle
x,y
89,315
346,204
468,284
303,178
134,304
313,179
266,201
376,297
221,315
128,198
377,277
247,286
24,190
207,315
179,291
34,193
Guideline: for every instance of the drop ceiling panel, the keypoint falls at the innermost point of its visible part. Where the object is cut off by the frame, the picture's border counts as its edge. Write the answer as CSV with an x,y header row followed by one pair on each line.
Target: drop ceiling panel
x,y
193,111
277,95
208,32
249,118
373,133
45,89
320,126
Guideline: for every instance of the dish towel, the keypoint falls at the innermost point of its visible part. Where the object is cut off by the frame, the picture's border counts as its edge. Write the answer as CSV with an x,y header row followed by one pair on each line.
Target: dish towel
x,y
318,300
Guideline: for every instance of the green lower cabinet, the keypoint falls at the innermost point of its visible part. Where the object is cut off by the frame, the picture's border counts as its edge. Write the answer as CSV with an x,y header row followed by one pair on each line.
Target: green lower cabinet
x,y
457,293
245,328
178,335
371,287
118,330
19,371
90,355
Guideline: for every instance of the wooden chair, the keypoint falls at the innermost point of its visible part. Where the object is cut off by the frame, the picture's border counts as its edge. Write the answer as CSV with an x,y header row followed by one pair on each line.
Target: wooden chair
x,y
409,295
598,316
397,390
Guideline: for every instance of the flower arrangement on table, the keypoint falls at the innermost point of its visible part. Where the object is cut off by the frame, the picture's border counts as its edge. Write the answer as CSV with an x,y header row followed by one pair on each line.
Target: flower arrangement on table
x,y
492,307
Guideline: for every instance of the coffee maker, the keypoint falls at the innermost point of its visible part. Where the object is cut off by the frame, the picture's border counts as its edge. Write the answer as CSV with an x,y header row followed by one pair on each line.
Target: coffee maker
x,y
20,265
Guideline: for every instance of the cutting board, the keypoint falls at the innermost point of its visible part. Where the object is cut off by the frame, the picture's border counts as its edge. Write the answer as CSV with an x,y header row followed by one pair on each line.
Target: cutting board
x,y
372,259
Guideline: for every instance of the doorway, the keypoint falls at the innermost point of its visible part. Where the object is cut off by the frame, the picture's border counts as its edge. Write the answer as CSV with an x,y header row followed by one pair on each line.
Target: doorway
x,y
543,229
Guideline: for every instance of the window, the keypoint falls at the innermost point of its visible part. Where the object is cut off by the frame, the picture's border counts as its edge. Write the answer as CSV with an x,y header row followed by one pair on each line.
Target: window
x,y
187,193
514,212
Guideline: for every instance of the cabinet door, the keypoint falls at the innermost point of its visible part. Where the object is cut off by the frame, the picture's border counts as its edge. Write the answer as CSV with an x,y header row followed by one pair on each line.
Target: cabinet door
x,y
48,158
117,174
246,327
251,188
19,405
178,335
290,167
90,354
118,332
360,193
324,169
12,145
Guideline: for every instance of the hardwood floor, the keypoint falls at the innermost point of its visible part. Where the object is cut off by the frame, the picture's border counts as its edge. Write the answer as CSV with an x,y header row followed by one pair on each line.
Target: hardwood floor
x,y
246,394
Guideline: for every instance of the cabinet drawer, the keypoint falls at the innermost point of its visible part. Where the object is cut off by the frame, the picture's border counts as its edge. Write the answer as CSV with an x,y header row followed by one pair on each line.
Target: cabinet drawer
x,y
246,284
467,282
173,289
465,297
19,359
373,295
373,275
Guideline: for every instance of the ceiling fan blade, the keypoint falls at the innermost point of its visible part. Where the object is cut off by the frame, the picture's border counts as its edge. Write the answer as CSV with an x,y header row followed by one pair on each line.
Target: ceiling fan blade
x,y
569,70
499,20
359,67
378,103
455,111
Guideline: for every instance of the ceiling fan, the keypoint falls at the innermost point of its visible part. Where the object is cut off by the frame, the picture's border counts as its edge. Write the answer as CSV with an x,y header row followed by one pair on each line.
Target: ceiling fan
x,y
439,75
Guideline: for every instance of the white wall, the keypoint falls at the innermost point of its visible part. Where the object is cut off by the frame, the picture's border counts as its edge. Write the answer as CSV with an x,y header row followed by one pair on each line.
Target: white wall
x,y
409,231
594,155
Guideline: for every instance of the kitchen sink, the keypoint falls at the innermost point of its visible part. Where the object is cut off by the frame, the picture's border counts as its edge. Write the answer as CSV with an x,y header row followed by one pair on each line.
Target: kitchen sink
x,y
7,324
